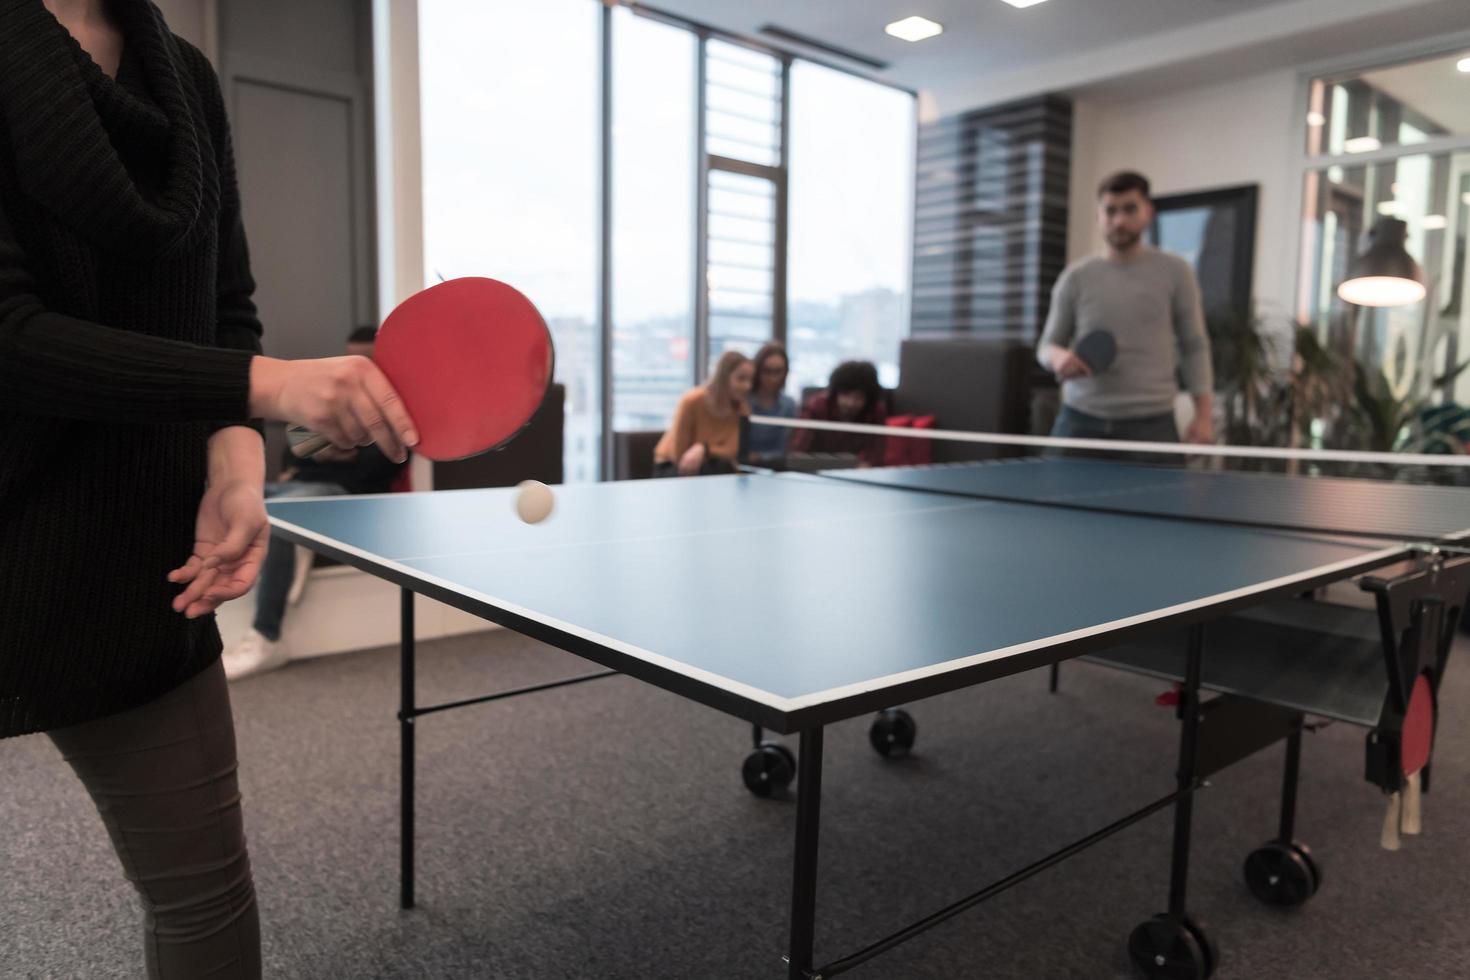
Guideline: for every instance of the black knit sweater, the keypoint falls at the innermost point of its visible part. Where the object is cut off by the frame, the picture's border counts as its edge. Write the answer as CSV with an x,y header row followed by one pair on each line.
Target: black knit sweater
x,y
126,332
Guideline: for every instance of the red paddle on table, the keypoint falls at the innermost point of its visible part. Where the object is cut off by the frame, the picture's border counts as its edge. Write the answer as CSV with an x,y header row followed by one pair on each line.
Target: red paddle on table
x,y
471,358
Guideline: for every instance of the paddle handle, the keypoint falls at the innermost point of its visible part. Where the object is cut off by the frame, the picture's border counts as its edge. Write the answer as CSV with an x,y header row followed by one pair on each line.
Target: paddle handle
x,y
1412,822
305,443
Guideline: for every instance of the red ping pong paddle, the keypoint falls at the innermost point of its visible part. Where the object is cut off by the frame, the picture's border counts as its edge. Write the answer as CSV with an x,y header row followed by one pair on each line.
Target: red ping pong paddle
x,y
1417,740
1097,348
471,358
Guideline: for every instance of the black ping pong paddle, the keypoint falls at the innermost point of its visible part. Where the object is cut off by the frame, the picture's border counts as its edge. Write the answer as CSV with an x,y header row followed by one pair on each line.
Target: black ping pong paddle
x,y
1097,348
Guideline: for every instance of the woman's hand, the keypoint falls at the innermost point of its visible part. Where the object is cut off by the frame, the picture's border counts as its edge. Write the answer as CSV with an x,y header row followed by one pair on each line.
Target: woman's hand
x,y
693,460
230,532
346,399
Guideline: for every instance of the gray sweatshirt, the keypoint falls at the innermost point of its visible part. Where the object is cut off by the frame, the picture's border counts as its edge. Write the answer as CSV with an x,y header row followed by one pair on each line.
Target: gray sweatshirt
x,y
1151,304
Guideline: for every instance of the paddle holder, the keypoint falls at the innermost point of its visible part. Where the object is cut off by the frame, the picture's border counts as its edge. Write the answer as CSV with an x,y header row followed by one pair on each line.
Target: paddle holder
x,y
1419,608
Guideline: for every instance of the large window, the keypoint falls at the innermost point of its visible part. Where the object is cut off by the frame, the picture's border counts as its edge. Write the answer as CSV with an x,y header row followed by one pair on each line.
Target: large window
x,y
743,197
723,159
511,173
851,218
653,171
740,273
743,104
1391,144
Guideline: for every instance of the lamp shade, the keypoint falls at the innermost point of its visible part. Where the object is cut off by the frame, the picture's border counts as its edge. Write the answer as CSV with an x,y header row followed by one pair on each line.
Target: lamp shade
x,y
1385,274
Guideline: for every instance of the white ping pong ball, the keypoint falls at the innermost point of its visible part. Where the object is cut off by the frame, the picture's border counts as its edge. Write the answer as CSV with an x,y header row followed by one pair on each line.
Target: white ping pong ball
x,y
534,501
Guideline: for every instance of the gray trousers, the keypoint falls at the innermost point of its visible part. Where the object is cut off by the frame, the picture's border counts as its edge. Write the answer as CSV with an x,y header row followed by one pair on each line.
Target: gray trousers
x,y
163,778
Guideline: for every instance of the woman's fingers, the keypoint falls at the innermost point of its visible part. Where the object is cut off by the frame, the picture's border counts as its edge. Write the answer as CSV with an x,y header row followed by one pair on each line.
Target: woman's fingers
x,y
237,542
230,582
195,590
377,430
185,573
351,431
393,428
227,585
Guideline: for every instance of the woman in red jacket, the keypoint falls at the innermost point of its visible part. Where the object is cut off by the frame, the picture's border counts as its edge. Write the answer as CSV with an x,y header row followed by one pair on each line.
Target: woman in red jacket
x,y
853,394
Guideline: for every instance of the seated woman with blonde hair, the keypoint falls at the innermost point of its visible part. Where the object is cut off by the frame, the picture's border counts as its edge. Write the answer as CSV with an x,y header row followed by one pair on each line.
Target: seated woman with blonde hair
x,y
704,437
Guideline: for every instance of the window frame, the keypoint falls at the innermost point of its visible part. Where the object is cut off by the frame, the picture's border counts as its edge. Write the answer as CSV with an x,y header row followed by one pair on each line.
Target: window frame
x,y
705,164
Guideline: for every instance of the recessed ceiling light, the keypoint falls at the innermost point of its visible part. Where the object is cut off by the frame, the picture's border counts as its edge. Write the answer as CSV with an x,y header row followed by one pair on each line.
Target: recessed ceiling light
x,y
1434,222
914,28
1463,64
1389,207
1316,119
1362,144
1030,3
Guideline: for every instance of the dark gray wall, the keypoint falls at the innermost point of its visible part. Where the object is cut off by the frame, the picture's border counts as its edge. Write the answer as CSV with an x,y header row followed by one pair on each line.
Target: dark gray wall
x,y
298,83
991,218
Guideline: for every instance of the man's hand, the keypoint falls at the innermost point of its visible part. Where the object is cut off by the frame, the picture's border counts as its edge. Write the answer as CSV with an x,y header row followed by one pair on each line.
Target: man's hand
x,y
1067,365
1200,431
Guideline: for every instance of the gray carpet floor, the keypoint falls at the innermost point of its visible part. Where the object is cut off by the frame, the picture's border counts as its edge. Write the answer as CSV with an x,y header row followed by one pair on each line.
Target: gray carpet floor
x,y
602,831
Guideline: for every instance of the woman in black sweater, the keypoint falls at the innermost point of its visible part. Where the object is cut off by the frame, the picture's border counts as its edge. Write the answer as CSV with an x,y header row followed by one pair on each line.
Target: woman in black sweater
x,y
130,469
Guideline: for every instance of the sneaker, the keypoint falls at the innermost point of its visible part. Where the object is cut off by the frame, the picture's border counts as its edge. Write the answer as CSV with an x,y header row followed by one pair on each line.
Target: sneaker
x,y
254,655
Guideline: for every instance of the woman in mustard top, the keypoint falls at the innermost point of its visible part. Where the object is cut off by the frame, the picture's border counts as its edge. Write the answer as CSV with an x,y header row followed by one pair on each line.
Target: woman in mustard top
x,y
704,436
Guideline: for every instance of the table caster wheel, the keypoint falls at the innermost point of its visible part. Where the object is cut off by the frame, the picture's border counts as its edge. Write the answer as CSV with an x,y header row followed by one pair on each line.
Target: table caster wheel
x,y
892,732
769,769
1282,874
1169,947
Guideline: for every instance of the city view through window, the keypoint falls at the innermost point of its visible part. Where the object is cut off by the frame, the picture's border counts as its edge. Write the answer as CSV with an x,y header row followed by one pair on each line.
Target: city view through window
x,y
516,198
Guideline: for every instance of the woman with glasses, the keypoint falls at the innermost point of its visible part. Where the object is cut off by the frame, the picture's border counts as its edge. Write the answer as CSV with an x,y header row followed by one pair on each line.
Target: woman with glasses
x,y
767,443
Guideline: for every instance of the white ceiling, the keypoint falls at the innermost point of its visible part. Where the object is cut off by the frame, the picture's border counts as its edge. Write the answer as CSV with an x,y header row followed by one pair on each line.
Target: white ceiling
x,y
979,35
991,52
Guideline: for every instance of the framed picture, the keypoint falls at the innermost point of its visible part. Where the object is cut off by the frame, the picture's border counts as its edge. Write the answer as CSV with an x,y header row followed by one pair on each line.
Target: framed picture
x,y
1216,232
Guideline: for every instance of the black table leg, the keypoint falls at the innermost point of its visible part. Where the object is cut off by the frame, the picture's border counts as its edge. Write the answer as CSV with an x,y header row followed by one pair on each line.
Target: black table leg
x,y
1283,872
1173,944
1289,779
405,732
804,876
1189,711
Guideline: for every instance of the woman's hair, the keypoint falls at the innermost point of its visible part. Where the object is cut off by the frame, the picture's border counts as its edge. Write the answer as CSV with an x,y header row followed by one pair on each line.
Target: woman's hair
x,y
768,351
856,376
718,384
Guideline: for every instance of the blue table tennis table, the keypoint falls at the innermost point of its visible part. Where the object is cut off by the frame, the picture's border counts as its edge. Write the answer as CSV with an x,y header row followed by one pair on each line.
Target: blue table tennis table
x,y
972,572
